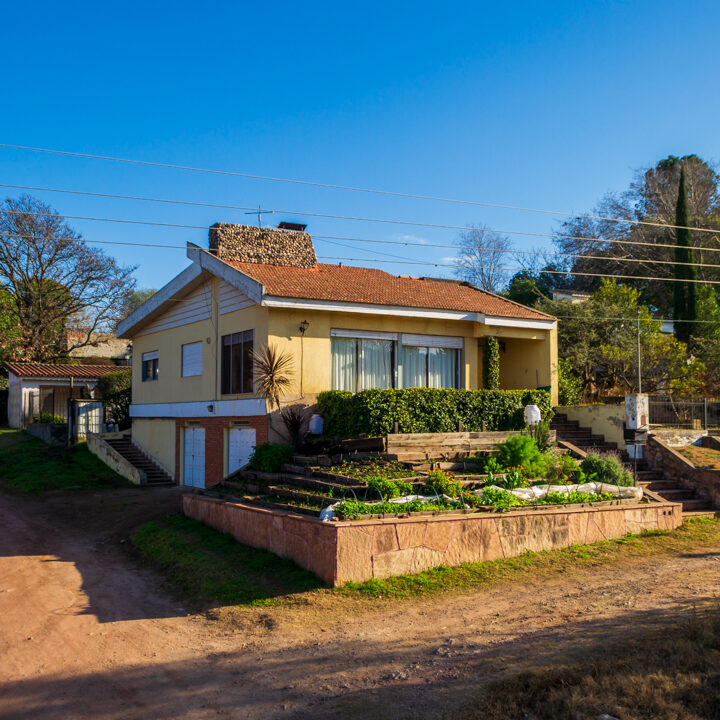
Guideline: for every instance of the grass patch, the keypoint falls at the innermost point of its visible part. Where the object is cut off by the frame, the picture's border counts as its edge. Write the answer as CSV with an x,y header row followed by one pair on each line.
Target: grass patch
x,y
701,456
28,465
694,534
210,565
664,671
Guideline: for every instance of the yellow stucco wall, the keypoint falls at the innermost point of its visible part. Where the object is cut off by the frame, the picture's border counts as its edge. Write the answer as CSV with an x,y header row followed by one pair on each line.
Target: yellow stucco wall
x,y
157,438
529,363
604,420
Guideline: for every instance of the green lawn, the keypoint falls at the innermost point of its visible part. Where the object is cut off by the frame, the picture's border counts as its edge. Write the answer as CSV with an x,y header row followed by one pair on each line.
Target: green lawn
x,y
210,565
28,465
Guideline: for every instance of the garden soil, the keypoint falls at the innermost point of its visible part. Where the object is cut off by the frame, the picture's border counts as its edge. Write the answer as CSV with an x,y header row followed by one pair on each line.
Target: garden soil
x,y
87,631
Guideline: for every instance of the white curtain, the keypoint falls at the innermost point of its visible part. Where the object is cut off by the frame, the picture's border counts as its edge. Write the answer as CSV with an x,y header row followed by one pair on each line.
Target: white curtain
x,y
376,364
414,366
443,368
343,353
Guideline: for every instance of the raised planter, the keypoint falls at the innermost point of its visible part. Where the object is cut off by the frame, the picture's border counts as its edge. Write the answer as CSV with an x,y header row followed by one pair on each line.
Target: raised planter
x,y
359,550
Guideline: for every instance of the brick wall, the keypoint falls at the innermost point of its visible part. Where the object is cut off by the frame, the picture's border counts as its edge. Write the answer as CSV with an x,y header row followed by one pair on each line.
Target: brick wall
x,y
215,442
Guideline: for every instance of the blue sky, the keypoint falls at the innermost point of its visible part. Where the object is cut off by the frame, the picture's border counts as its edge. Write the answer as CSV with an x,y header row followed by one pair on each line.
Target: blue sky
x,y
547,105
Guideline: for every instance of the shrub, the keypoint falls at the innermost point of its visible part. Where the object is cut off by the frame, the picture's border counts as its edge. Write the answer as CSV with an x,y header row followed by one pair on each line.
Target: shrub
x,y
607,468
522,450
570,386
294,418
562,467
491,363
417,410
270,457
115,388
444,484
45,417
540,432
389,488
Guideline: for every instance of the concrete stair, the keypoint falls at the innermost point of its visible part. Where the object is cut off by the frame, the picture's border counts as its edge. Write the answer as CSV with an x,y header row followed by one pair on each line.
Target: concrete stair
x,y
648,478
153,472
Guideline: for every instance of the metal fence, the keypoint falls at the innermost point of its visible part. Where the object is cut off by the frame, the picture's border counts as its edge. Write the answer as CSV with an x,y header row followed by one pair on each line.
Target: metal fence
x,y
692,413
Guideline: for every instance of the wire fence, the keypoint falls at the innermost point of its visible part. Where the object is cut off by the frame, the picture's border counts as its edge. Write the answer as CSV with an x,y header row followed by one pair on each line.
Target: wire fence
x,y
693,413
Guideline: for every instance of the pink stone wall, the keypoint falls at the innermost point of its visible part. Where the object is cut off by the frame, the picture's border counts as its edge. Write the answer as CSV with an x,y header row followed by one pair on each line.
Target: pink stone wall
x,y
360,550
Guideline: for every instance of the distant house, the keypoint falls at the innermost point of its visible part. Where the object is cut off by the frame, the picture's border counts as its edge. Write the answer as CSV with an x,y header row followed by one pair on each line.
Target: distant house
x,y
103,348
35,388
194,406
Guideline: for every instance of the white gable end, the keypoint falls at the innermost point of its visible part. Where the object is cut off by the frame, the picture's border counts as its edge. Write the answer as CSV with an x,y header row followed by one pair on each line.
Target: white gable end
x,y
193,307
232,299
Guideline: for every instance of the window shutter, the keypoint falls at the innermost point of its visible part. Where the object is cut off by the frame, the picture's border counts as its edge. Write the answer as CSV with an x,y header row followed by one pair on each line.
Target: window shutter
x,y
192,359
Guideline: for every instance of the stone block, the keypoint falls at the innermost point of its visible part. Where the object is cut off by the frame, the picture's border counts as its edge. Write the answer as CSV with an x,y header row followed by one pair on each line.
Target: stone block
x,y
439,532
384,539
424,558
410,534
354,554
398,562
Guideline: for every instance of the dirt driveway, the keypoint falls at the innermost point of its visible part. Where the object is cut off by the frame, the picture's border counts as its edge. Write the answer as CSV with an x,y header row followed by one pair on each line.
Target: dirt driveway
x,y
86,632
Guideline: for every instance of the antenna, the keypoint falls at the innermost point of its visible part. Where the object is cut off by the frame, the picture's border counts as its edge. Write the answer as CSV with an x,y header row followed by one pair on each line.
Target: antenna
x,y
260,212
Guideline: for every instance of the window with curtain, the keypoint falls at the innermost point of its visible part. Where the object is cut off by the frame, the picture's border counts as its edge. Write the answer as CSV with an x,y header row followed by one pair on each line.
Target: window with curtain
x,y
361,363
434,367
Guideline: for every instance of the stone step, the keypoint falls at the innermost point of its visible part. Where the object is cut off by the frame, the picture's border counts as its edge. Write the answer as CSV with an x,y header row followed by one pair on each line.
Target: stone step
x,y
676,494
696,504
659,486
710,514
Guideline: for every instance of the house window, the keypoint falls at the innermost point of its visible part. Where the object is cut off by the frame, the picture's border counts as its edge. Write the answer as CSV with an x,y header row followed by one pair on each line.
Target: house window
x,y
429,361
237,364
191,359
150,365
362,363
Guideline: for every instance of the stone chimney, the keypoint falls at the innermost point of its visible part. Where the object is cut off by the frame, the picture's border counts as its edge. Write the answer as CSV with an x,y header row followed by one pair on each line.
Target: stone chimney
x,y
266,246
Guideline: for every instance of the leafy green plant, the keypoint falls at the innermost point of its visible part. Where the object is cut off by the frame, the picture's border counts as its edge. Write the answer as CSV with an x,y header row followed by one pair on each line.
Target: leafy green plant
x,y
540,432
416,410
350,509
491,363
500,498
514,479
45,417
493,466
115,388
444,484
572,498
372,467
522,450
608,469
389,488
270,457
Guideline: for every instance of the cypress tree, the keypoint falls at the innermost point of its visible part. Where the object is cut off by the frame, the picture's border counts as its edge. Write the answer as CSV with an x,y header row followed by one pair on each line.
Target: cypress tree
x,y
684,293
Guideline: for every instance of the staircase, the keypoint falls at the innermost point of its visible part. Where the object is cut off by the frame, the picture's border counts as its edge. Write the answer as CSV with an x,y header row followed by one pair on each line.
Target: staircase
x,y
653,479
153,472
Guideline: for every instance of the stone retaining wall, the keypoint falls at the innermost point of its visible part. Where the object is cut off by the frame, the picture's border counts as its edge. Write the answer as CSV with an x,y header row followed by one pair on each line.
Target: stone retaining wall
x,y
360,550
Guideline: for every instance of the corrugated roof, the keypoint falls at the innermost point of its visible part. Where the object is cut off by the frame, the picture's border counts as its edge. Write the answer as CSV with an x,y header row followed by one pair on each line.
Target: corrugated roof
x,y
45,370
345,283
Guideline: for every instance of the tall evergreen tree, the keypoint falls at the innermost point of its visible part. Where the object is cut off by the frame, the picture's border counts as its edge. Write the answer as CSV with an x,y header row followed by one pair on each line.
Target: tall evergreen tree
x,y
684,292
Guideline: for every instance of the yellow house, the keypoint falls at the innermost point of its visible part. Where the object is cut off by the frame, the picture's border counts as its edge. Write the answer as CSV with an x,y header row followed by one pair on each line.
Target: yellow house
x,y
194,409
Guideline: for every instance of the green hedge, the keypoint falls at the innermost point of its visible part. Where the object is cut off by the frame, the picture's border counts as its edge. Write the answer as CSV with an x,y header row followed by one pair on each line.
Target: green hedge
x,y
491,363
416,410
116,388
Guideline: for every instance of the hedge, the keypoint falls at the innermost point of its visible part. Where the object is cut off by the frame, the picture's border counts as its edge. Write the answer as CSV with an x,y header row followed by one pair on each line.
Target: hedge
x,y
416,410
491,363
116,388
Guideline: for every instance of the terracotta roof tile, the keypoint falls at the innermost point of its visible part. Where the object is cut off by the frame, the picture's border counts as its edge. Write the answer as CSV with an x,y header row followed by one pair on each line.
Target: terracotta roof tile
x,y
344,283
22,369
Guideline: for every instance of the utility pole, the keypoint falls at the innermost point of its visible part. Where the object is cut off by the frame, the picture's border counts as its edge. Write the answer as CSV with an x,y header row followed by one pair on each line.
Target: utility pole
x,y
638,348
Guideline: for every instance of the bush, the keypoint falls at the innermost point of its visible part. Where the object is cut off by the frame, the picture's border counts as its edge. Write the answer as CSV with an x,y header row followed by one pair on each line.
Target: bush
x,y
570,387
389,488
270,457
417,410
522,450
608,469
45,417
491,363
115,388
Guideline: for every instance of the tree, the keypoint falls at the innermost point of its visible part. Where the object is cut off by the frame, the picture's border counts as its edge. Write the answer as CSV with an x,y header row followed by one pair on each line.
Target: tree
x,y
598,338
652,198
483,253
273,370
134,299
52,278
684,295
116,388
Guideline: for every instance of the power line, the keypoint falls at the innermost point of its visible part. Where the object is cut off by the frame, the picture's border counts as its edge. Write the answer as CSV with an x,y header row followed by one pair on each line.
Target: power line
x,y
332,186
316,214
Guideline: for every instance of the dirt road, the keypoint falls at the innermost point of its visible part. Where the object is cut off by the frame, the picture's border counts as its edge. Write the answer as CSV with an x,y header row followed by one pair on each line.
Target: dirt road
x,y
87,632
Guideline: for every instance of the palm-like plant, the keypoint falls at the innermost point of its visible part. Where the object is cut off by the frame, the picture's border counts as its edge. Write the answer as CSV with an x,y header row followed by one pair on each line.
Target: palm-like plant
x,y
273,370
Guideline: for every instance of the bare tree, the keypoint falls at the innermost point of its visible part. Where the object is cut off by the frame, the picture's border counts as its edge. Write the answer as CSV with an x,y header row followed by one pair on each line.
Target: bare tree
x,y
482,258
52,280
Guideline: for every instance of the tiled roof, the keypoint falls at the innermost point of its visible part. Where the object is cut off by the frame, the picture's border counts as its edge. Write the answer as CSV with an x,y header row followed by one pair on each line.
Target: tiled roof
x,y
45,370
344,283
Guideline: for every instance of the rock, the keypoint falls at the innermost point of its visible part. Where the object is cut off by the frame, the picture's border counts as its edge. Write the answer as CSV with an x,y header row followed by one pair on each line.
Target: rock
x,y
607,717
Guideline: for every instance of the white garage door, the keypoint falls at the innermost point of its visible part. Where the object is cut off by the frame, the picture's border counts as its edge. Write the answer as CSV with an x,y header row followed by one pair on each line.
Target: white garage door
x,y
241,443
194,457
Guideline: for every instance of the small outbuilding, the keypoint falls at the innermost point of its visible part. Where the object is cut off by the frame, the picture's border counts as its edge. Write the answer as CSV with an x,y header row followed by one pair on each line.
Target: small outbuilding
x,y
37,388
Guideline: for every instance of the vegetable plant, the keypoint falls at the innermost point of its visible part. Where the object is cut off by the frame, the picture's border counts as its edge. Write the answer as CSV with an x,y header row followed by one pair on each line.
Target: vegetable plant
x,y
523,450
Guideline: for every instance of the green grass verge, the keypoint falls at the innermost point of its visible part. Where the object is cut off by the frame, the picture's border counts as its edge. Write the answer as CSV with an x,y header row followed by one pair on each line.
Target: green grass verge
x,y
694,534
28,465
210,565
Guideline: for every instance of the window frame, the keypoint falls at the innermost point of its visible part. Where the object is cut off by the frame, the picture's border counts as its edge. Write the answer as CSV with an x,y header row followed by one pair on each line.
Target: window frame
x,y
228,376
150,360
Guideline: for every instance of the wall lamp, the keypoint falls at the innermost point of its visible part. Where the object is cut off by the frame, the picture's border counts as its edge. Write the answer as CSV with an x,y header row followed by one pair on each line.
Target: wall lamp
x,y
304,325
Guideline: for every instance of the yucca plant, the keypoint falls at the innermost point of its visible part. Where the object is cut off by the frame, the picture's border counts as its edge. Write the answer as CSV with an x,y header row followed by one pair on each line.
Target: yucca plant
x,y
273,370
